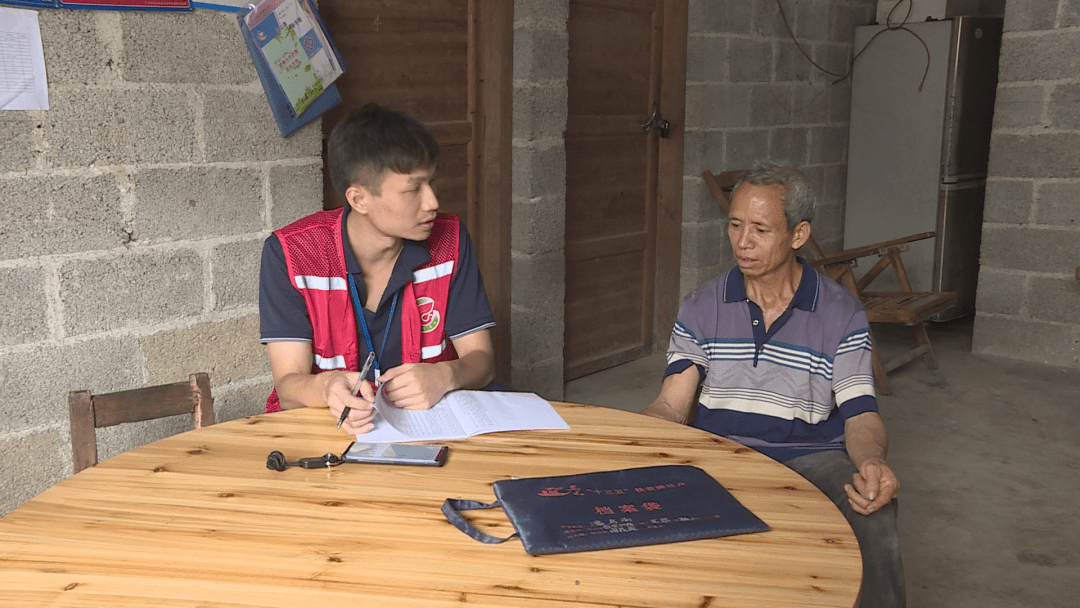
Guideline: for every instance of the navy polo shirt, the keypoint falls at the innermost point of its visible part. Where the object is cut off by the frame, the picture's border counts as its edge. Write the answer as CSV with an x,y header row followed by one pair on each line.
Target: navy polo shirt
x,y
283,315
787,391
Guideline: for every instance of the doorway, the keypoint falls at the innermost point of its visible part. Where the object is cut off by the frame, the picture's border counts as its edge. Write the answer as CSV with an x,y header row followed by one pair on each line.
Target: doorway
x,y
627,59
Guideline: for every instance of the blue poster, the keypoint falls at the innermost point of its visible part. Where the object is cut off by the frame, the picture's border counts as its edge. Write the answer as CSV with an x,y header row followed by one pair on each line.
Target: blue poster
x,y
33,3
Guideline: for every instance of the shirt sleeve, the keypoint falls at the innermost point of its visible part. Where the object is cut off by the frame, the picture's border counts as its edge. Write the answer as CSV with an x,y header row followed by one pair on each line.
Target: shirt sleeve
x,y
853,376
685,348
467,310
283,315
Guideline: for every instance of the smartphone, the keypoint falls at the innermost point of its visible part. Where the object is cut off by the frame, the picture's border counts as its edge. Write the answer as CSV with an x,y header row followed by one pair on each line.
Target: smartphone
x,y
396,453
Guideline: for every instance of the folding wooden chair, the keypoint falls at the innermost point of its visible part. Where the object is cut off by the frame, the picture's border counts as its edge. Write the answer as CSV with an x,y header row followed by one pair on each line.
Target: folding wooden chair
x,y
91,412
907,307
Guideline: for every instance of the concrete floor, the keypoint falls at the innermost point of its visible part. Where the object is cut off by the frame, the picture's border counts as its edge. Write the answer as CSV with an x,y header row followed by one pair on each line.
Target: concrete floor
x,y
988,455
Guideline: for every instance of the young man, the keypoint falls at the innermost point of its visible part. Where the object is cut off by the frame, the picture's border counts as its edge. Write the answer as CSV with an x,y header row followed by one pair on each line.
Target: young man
x,y
385,273
782,356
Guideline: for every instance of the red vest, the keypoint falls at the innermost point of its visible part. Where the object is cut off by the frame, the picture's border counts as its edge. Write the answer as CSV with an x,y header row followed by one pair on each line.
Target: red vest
x,y
315,258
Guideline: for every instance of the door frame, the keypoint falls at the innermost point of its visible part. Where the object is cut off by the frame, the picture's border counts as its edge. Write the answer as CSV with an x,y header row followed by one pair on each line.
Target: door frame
x,y
669,196
492,26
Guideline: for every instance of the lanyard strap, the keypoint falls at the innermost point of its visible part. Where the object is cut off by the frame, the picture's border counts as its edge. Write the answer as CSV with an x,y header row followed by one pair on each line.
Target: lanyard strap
x,y
363,323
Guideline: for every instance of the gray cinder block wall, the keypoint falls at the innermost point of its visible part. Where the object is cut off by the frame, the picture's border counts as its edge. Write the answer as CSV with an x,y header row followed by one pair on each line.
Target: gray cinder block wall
x,y
538,261
751,94
132,214
1028,304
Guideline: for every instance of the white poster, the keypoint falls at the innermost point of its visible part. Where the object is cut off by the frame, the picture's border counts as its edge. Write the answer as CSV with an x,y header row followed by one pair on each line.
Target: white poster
x,y
22,63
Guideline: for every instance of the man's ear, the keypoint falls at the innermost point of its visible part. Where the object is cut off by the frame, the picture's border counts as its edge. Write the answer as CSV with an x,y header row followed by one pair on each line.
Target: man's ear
x,y
800,235
358,198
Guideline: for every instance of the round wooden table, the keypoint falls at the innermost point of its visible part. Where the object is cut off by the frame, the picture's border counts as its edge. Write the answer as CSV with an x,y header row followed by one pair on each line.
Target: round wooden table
x,y
198,520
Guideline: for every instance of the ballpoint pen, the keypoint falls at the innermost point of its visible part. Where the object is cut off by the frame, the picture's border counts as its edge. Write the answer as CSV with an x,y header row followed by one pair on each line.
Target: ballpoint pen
x,y
356,389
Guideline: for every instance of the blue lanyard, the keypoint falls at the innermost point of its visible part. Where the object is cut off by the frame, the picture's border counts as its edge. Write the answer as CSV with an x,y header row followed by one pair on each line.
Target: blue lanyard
x,y
363,323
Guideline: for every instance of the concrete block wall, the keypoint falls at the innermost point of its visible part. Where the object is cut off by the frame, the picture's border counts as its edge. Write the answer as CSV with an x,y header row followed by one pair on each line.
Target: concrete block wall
x,y
752,94
132,215
1028,304
538,261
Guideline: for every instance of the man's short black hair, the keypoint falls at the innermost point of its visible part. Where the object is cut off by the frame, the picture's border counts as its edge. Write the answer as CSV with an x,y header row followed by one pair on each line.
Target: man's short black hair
x,y
371,140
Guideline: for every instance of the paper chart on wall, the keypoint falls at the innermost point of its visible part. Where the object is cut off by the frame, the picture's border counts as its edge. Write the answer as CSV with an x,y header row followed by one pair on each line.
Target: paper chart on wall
x,y
23,85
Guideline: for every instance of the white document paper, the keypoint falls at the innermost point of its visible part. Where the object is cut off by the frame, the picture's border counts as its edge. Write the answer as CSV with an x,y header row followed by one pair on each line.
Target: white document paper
x,y
462,414
22,62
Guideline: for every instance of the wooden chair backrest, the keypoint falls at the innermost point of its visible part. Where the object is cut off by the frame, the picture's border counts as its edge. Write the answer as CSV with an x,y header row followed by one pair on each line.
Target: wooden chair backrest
x,y
91,412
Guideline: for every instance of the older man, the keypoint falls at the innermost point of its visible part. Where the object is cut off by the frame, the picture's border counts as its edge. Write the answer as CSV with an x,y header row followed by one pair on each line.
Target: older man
x,y
781,355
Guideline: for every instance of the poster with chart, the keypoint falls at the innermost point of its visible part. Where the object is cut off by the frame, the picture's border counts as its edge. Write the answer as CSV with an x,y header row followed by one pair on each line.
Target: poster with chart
x,y
22,63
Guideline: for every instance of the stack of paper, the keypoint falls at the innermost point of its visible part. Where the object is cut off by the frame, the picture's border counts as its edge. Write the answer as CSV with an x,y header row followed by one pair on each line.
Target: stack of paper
x,y
461,414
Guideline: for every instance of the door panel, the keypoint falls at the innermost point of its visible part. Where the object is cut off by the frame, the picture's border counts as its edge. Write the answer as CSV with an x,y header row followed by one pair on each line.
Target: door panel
x,y
413,57
449,64
609,292
608,176
611,182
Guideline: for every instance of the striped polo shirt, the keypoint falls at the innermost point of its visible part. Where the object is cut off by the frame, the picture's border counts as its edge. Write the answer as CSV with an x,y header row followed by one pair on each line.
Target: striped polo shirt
x,y
784,392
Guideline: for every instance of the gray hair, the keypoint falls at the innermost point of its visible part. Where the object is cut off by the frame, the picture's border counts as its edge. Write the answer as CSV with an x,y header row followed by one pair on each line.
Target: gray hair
x,y
799,200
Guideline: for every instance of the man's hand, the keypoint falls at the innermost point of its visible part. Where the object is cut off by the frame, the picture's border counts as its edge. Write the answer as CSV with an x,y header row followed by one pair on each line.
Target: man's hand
x,y
873,487
290,364
416,386
875,484
338,396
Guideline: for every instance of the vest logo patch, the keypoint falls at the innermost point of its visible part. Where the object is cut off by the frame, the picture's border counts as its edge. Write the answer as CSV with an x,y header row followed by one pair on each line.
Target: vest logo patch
x,y
429,317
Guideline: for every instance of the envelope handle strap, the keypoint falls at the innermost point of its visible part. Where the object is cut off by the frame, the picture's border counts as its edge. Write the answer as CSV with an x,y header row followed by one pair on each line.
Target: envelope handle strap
x,y
451,508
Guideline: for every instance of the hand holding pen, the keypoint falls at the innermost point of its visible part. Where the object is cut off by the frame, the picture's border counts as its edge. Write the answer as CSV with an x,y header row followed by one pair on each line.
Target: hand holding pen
x,y
355,390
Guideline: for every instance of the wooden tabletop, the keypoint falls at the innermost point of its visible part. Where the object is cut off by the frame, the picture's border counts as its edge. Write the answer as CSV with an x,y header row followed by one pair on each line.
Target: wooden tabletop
x,y
198,520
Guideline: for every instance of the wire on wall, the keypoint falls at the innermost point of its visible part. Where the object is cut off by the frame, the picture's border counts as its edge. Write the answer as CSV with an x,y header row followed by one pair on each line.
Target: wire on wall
x,y
889,27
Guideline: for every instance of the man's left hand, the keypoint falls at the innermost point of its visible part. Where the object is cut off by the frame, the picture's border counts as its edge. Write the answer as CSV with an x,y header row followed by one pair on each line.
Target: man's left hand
x,y
873,487
415,386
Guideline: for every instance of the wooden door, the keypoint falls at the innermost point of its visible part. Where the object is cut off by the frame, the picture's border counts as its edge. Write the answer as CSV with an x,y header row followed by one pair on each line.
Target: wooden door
x,y
623,184
449,64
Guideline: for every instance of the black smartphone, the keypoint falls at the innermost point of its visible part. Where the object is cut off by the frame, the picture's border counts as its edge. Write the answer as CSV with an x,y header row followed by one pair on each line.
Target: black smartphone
x,y
396,453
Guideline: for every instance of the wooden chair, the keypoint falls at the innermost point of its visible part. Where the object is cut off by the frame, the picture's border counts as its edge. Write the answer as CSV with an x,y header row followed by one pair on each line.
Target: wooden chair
x,y
91,412
907,307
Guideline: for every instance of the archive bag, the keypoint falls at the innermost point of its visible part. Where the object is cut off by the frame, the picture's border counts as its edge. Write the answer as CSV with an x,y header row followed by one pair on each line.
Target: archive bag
x,y
609,509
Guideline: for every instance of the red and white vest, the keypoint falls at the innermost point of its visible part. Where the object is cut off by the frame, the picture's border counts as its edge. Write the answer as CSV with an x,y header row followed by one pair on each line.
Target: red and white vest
x,y
315,258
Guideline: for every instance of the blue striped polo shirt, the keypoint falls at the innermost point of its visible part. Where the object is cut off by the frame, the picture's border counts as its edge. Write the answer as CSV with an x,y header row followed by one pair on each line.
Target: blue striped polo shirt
x,y
784,392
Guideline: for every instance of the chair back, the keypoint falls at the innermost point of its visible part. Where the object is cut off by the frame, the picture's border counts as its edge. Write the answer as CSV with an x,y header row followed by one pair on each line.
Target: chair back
x,y
88,412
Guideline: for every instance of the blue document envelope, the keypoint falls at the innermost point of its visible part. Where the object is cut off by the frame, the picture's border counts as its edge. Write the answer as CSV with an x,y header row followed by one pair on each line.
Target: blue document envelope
x,y
287,119
610,509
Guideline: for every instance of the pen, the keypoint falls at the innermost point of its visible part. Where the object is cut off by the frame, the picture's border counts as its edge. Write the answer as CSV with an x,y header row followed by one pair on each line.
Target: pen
x,y
356,389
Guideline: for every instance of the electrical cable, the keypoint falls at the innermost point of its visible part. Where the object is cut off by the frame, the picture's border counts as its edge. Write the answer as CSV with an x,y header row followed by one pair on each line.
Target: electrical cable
x,y
851,66
276,462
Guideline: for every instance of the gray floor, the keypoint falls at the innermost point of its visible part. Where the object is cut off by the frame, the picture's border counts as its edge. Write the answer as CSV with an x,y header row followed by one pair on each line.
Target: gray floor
x,y
988,455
